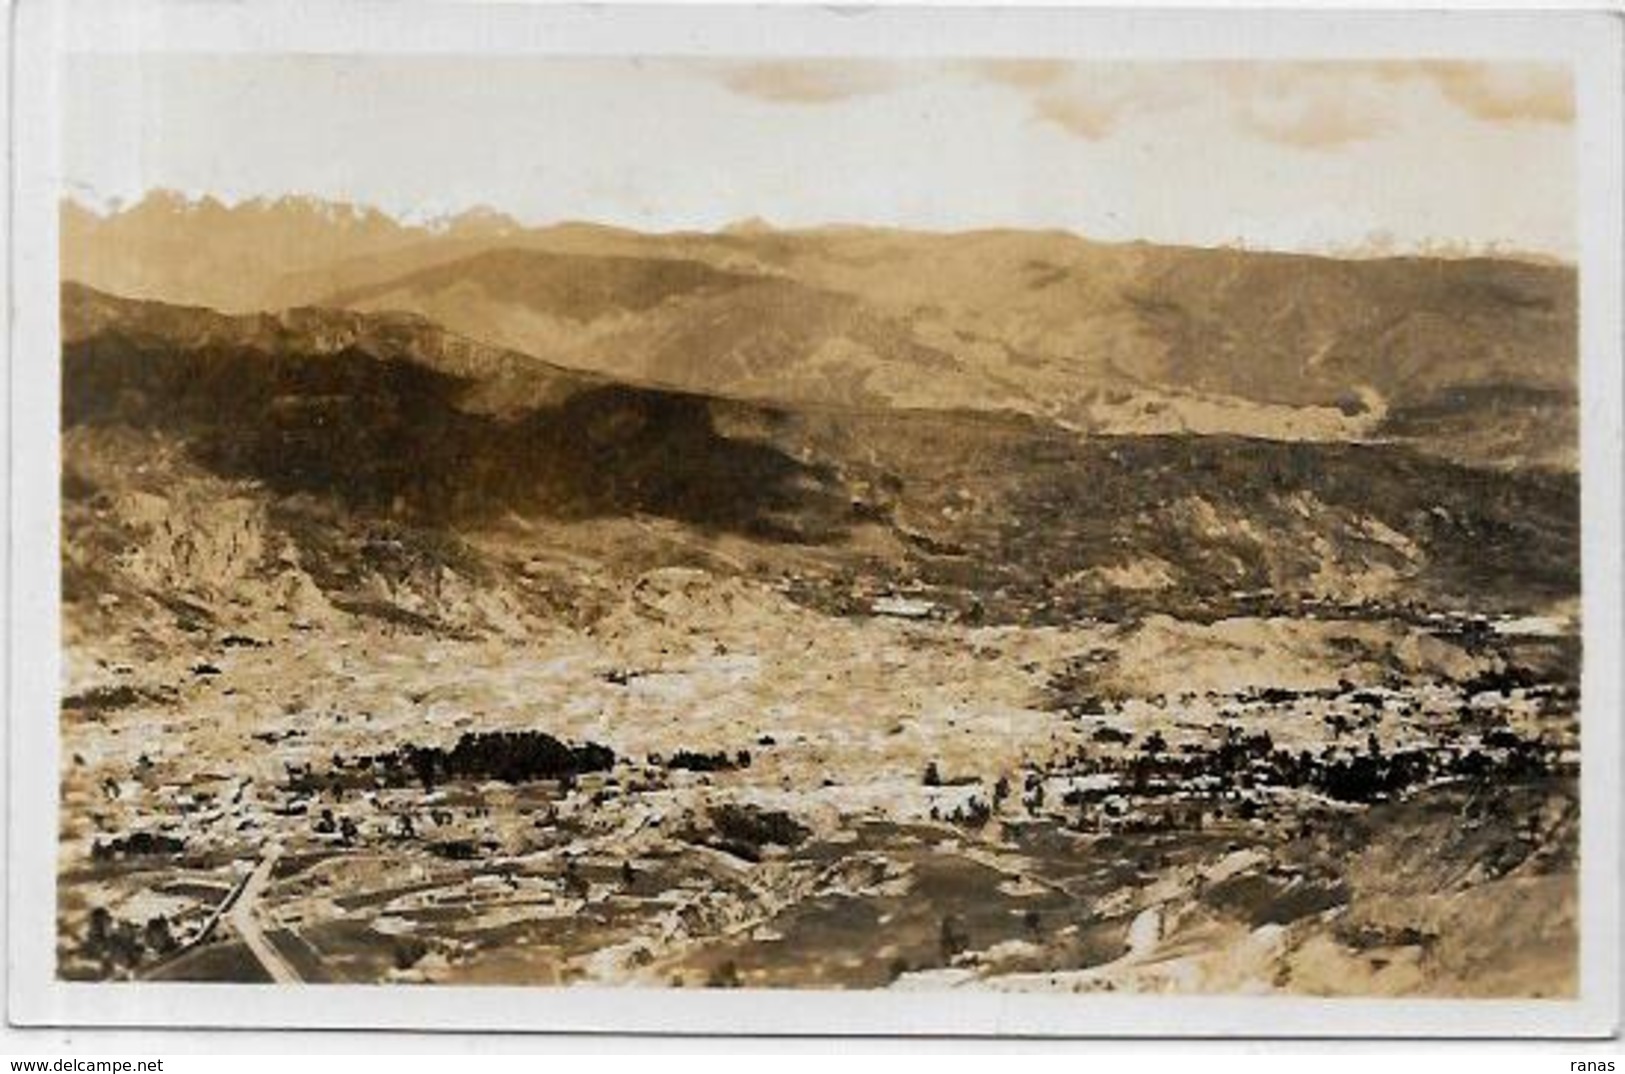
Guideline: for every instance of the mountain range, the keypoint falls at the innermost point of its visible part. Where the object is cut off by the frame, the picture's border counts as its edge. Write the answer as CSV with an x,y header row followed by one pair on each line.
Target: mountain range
x,y
1473,360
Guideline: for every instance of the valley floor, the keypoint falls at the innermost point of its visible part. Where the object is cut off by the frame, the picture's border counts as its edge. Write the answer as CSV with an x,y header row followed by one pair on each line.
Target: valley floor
x,y
1303,805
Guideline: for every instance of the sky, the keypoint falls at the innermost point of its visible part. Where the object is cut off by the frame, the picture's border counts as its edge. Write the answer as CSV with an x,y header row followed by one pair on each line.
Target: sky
x,y
1322,157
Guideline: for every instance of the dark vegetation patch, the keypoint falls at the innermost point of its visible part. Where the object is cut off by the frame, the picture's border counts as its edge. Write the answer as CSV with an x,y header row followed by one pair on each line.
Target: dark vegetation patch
x,y
1248,764
719,761
119,696
271,738
743,830
973,813
119,944
931,776
1502,681
505,756
138,845
508,756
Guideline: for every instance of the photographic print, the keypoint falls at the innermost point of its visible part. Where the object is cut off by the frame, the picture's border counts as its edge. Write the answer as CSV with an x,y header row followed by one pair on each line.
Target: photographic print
x,y
977,523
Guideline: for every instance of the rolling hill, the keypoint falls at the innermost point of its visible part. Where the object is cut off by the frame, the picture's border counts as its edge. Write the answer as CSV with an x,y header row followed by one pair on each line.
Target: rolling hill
x,y
333,423
1112,339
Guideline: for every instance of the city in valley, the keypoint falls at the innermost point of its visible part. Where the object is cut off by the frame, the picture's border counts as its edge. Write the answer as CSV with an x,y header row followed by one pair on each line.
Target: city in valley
x,y
821,608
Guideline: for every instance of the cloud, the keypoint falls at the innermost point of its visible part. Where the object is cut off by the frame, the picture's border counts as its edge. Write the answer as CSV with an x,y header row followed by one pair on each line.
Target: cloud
x,y
1027,74
809,81
1506,93
1309,122
1316,106
1312,106
1090,101
1309,106
1082,116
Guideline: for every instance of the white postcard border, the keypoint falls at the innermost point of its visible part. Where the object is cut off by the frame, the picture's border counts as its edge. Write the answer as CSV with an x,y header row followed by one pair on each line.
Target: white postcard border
x,y
1590,41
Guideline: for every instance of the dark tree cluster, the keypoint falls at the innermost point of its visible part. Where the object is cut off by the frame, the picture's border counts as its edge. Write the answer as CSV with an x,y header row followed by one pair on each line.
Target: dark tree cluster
x,y
138,845
508,756
743,830
1244,761
513,757
123,944
1502,681
720,761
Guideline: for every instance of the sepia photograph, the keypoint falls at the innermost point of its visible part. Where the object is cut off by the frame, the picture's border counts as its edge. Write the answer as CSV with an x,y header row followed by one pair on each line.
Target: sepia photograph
x,y
989,523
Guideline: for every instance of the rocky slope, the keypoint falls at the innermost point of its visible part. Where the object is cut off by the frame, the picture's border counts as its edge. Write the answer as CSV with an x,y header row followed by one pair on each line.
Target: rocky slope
x,y
332,424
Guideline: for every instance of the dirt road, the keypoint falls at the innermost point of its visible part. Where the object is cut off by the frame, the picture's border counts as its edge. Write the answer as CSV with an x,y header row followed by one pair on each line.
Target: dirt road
x,y
246,922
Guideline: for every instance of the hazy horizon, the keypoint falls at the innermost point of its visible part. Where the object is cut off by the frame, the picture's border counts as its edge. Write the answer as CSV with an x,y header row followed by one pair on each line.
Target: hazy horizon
x,y
1266,155
444,221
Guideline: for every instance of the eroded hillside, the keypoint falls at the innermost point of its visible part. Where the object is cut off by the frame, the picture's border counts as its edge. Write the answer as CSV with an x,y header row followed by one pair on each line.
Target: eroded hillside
x,y
995,515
